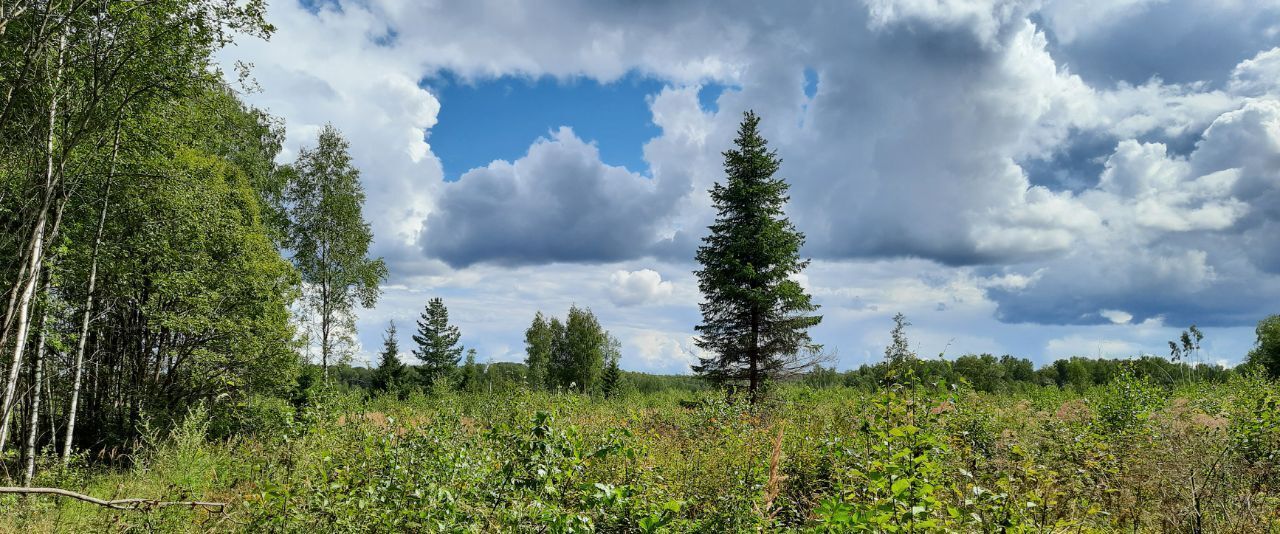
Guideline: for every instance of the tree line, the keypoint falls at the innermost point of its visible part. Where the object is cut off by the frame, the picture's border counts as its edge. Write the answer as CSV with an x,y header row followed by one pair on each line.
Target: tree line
x,y
152,251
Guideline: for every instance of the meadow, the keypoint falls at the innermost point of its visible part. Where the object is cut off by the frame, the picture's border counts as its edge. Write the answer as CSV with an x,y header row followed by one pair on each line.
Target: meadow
x,y
907,456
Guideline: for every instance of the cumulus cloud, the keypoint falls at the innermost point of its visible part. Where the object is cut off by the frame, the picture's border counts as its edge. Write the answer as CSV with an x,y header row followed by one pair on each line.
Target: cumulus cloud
x,y
1116,316
557,203
325,67
1257,76
1041,161
663,350
1135,40
631,288
1190,238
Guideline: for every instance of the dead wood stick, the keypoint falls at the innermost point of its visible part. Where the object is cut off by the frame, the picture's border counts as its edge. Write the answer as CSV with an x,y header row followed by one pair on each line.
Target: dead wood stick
x,y
118,504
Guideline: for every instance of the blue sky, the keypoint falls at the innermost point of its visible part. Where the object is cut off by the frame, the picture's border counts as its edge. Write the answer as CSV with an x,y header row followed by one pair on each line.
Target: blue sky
x,y
510,112
507,113
1043,178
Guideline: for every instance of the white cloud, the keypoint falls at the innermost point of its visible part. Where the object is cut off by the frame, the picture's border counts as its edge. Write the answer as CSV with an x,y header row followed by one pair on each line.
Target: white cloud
x,y
557,203
663,350
1257,76
631,288
911,165
1116,316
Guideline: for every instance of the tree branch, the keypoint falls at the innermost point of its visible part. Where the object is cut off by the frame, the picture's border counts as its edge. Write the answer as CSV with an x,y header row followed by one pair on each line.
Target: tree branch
x,y
118,504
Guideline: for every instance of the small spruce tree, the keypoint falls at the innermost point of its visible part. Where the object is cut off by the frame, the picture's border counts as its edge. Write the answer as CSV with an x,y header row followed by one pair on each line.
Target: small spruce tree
x,y
611,378
471,373
437,341
389,375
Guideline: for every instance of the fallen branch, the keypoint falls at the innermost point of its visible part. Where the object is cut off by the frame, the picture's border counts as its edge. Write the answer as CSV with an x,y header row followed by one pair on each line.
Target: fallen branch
x,y
118,504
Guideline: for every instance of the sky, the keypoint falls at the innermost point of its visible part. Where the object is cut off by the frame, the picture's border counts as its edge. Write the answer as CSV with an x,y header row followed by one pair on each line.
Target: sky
x,y
1042,178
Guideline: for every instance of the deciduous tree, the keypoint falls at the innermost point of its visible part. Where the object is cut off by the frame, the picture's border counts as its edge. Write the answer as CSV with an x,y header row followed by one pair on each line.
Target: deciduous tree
x,y
330,240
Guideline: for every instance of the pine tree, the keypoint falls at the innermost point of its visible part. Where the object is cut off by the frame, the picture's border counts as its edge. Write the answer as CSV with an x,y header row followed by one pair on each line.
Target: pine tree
x,y
437,342
755,317
389,375
538,344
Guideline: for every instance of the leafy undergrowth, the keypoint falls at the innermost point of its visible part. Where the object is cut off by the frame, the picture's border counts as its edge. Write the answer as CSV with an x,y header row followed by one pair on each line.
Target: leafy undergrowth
x,y
908,458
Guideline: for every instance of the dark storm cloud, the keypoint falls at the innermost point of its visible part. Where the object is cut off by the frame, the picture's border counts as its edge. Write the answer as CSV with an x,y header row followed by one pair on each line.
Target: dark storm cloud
x,y
1178,41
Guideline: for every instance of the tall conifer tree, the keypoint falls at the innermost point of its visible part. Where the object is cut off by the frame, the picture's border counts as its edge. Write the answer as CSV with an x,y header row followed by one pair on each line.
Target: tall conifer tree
x,y
437,342
755,317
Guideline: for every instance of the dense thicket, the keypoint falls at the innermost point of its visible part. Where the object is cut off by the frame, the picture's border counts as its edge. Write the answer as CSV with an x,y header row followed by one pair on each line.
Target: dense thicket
x,y
141,215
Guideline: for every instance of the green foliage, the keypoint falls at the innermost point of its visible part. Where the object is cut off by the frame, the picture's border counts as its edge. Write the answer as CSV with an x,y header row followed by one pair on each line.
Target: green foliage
x,y
570,356
390,374
1266,351
539,343
611,378
755,316
581,356
330,240
1255,432
437,341
908,457
1126,404
472,375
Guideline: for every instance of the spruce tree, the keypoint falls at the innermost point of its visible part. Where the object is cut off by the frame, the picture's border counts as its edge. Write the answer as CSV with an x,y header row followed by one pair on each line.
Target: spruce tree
x,y
437,342
755,317
471,373
389,375
611,378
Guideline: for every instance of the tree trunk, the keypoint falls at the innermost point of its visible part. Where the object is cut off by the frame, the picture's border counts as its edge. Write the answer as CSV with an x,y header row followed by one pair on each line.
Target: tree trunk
x,y
36,255
11,310
85,319
33,426
753,376
325,324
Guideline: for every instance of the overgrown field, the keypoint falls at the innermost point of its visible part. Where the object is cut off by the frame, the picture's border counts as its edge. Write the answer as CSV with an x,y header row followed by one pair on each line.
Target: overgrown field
x,y
1126,456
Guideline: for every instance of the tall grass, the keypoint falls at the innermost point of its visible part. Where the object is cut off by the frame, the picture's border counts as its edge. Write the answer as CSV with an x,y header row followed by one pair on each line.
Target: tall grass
x,y
1128,455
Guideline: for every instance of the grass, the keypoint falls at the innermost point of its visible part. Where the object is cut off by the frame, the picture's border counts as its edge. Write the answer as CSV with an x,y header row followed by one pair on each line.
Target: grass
x,y
1125,456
